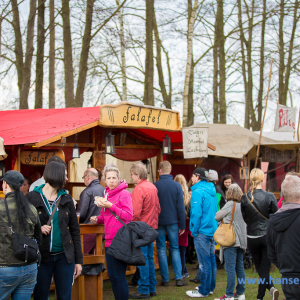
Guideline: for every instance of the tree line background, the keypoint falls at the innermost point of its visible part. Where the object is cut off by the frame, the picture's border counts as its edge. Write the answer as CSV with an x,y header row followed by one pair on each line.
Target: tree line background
x,y
210,59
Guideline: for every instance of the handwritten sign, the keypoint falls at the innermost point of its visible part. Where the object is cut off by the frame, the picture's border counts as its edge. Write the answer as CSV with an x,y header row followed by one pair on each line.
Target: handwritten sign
x,y
131,115
285,118
39,158
274,155
195,142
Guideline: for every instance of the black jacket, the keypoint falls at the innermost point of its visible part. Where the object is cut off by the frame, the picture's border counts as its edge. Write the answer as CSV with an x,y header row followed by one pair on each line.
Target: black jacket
x,y
265,203
128,240
86,205
68,225
283,240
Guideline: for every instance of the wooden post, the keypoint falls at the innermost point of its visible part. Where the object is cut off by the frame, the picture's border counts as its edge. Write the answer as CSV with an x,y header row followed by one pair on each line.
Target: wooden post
x,y
17,166
262,123
159,159
99,162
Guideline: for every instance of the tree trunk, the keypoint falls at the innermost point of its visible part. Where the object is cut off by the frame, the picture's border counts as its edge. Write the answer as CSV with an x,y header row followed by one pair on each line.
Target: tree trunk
x,y
191,81
83,68
149,70
290,55
52,56
216,111
222,63
28,57
188,65
39,71
281,56
123,60
68,58
261,66
166,98
18,44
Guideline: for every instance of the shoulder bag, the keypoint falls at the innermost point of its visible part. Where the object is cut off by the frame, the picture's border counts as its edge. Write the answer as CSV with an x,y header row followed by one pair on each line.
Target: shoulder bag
x,y
225,235
256,208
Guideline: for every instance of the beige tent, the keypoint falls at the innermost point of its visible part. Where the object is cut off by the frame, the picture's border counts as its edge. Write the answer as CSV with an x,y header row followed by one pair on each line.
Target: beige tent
x,y
3,154
234,141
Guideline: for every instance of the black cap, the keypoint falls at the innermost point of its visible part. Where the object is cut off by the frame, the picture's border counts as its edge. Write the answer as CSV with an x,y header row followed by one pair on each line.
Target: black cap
x,y
14,179
202,173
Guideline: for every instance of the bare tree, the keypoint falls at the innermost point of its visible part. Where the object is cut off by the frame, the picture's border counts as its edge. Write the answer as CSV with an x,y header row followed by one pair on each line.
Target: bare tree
x,y
188,65
51,56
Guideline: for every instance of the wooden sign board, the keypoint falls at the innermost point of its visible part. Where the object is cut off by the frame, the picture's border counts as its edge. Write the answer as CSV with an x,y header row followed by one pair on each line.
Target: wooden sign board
x,y
177,159
274,155
130,115
244,173
195,142
39,158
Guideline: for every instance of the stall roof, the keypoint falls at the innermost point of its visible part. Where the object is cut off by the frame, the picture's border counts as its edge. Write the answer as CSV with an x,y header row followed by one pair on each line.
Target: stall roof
x,y
234,141
30,126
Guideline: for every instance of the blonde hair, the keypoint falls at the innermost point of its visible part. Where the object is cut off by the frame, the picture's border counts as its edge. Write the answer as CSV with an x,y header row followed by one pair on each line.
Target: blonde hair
x,y
234,193
256,177
111,168
186,196
165,167
139,169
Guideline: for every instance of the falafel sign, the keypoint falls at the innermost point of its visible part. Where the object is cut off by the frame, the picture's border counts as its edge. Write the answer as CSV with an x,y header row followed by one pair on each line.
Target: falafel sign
x,y
39,158
131,115
195,142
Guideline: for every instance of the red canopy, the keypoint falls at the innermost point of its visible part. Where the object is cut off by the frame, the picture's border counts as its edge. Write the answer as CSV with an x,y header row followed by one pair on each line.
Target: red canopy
x,y
28,126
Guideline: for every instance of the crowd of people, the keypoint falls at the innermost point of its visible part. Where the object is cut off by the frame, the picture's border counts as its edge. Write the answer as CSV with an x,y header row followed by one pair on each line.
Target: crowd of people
x,y
180,214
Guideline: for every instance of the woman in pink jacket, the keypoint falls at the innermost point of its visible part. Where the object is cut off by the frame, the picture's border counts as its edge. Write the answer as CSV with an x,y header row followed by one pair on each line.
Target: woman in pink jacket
x,y
118,201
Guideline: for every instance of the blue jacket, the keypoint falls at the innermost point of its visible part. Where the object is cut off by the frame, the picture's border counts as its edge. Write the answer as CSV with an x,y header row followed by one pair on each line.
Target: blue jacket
x,y
171,201
203,209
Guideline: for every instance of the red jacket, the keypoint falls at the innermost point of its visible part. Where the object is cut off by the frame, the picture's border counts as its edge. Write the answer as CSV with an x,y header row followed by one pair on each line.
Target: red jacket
x,y
145,203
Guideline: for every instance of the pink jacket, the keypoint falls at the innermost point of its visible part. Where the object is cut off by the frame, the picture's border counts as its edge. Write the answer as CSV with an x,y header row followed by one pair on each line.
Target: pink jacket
x,y
122,207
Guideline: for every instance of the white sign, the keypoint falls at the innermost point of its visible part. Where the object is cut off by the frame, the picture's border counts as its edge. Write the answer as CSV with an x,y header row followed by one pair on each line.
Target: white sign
x,y
194,142
285,118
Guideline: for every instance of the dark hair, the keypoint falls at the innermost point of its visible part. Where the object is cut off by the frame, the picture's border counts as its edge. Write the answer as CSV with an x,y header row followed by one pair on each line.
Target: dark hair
x,y
23,209
227,176
28,180
56,159
54,174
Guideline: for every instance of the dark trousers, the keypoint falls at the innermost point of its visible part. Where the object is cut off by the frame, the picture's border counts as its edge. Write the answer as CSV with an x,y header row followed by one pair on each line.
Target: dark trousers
x,y
258,250
63,276
291,291
182,251
136,277
117,276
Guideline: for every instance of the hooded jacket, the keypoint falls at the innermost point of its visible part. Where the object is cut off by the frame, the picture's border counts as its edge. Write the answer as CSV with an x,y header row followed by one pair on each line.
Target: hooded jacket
x,y
122,207
283,242
265,203
203,209
86,205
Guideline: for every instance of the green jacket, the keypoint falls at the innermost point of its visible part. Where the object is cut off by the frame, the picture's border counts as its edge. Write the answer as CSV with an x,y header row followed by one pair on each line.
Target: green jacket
x,y
7,257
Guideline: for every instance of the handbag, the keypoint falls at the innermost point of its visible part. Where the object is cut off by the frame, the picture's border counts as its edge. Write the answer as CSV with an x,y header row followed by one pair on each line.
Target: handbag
x,y
225,235
256,208
24,247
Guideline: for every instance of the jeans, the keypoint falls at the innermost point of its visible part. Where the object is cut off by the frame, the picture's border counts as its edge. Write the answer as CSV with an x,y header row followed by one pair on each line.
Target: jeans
x,y
234,265
258,250
18,282
117,276
182,250
291,291
147,282
63,277
205,247
172,231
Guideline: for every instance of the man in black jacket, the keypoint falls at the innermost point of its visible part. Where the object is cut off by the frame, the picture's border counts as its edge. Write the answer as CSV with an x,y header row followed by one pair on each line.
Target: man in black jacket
x,y
283,238
86,206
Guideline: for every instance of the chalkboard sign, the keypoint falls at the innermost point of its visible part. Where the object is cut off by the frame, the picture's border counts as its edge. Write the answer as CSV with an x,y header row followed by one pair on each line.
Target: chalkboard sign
x,y
195,142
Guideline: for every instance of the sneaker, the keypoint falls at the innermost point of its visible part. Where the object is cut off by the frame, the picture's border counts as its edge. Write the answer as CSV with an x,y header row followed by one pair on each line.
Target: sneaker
x,y
181,282
225,298
195,294
131,284
138,295
185,276
274,293
211,293
164,283
152,294
197,288
239,297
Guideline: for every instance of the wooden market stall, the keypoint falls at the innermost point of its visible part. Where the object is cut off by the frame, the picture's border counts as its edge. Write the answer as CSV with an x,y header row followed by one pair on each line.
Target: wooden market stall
x,y
32,136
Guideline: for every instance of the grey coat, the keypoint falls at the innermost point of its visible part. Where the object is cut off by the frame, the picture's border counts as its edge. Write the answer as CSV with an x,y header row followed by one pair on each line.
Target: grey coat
x,y
238,223
86,205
